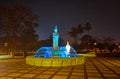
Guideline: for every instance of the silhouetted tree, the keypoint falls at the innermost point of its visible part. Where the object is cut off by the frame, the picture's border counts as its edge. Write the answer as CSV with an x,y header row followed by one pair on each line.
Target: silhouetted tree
x,y
15,20
80,29
29,39
88,27
85,41
73,33
109,43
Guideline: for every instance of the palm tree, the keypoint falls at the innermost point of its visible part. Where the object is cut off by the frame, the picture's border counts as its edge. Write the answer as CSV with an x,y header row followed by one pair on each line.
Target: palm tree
x,y
73,33
88,27
80,29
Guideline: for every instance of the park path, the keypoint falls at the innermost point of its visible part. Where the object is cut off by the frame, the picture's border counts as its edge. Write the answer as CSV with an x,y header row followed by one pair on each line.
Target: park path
x,y
93,68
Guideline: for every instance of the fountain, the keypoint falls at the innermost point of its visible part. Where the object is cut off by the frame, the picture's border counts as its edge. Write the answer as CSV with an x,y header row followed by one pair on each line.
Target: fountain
x,y
55,55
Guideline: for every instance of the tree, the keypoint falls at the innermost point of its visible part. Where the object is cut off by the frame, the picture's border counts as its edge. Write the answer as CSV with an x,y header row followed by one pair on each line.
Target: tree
x,y
109,40
15,20
109,43
80,29
29,39
73,33
86,41
88,27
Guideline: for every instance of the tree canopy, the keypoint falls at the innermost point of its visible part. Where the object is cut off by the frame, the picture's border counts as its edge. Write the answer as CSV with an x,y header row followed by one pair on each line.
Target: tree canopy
x,y
17,25
16,18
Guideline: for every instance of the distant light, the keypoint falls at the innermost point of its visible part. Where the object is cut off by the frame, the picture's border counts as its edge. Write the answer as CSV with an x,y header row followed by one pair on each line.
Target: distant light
x,y
119,47
6,44
95,43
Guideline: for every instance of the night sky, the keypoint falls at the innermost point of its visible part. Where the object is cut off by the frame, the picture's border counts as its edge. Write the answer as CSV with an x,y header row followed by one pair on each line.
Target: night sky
x,y
104,15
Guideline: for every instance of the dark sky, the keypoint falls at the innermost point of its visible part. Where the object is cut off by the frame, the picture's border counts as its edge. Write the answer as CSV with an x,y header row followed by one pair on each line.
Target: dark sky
x,y
104,15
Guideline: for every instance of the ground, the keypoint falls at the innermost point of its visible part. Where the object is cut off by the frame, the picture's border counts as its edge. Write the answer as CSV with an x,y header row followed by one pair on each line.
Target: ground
x,y
93,68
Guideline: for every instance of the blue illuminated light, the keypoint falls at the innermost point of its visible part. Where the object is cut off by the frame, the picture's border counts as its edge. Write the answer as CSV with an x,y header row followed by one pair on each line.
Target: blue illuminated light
x,y
55,50
55,38
49,52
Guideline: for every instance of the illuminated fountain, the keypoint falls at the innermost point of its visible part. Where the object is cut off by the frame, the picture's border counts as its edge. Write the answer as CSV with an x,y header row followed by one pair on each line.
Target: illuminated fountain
x,y
55,55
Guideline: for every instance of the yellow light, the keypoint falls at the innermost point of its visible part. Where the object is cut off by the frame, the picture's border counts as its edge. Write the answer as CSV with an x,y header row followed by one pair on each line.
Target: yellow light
x,y
119,47
5,56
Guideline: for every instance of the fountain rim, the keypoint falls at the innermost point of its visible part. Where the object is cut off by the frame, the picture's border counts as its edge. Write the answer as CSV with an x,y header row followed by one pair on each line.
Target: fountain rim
x,y
55,61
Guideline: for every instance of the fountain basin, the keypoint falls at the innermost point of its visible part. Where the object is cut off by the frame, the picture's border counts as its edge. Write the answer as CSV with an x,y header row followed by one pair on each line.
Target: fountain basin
x,y
49,52
55,61
55,56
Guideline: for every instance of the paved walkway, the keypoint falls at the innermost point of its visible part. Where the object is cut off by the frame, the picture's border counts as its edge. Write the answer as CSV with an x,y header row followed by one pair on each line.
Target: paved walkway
x,y
94,68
